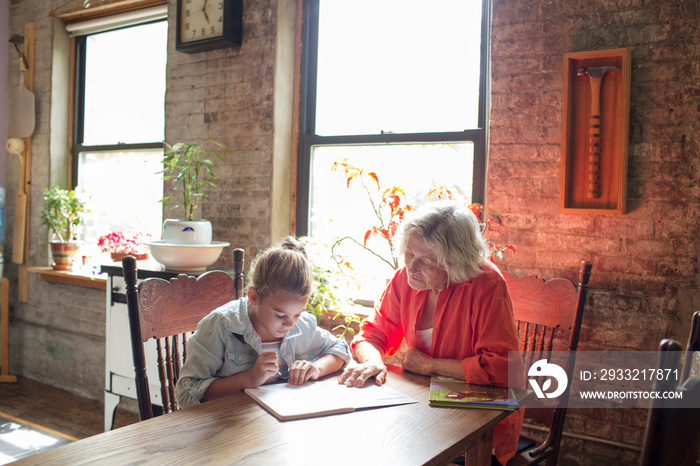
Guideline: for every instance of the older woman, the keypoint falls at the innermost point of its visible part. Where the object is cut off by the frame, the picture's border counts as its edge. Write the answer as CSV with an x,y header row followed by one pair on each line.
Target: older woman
x,y
452,307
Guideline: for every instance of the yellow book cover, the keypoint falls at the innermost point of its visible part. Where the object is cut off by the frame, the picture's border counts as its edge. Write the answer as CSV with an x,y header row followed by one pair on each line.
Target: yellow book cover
x,y
448,391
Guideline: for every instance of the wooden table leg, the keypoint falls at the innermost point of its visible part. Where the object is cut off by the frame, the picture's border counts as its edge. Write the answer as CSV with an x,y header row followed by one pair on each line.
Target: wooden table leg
x,y
478,453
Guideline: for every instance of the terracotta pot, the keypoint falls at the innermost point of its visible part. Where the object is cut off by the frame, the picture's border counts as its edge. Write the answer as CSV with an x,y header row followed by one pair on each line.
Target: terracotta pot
x,y
63,254
116,257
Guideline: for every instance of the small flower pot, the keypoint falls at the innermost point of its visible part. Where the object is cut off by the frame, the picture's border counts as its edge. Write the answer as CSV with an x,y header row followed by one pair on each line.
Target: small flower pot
x,y
63,254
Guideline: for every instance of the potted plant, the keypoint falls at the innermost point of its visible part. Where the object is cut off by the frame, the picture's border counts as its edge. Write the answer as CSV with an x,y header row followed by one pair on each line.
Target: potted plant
x,y
125,243
62,215
190,169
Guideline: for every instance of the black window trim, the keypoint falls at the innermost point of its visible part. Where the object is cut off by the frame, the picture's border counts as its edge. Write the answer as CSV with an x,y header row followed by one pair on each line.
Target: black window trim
x,y
79,111
307,116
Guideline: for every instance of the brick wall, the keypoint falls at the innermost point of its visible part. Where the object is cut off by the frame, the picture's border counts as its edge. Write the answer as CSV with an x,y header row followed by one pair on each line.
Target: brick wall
x,y
645,263
226,95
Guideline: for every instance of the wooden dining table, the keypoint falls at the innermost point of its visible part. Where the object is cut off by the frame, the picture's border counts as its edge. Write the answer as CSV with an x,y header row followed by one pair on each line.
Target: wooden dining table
x,y
237,430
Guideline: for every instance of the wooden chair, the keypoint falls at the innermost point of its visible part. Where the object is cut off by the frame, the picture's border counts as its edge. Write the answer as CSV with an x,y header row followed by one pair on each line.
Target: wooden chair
x,y
543,311
691,362
168,311
672,436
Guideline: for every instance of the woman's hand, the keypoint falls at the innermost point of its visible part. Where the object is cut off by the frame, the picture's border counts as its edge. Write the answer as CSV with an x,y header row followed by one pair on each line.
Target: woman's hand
x,y
265,367
418,362
301,371
356,374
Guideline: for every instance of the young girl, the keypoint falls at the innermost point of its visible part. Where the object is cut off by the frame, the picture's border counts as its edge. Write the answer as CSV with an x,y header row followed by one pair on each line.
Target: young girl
x,y
262,337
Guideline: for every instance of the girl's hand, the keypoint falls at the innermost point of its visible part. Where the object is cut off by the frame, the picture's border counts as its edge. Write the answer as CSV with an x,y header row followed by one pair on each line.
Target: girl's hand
x,y
301,371
264,368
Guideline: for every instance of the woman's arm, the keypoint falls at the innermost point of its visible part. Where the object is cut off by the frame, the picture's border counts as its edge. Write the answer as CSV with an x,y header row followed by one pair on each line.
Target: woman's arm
x,y
420,363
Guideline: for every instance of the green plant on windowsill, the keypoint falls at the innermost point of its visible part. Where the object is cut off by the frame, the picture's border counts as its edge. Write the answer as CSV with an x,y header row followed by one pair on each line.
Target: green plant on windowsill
x,y
62,213
324,300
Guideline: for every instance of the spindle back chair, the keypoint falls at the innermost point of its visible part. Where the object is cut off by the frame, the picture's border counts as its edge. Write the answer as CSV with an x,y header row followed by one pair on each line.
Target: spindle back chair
x,y
543,310
168,311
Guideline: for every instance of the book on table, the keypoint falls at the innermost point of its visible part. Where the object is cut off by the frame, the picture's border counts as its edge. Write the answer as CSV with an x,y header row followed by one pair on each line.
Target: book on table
x,y
323,398
449,391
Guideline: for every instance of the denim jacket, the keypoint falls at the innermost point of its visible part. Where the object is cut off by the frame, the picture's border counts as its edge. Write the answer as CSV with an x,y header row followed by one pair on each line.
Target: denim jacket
x,y
226,344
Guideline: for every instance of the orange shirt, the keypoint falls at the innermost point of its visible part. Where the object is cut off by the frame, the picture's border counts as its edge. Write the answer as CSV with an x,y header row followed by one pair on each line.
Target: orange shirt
x,y
473,322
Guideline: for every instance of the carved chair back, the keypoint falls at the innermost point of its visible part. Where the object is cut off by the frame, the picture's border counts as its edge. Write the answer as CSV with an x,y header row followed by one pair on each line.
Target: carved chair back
x,y
168,311
544,311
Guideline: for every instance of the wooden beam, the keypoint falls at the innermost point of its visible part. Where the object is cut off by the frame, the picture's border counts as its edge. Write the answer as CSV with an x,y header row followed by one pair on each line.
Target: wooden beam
x,y
23,290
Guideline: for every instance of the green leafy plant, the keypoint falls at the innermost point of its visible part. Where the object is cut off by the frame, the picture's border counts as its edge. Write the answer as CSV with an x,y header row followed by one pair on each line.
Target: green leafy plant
x,y
325,299
346,326
62,213
191,169
322,298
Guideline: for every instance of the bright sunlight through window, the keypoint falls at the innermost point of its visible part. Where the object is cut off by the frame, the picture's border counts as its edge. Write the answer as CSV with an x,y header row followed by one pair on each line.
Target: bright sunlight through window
x,y
120,138
397,90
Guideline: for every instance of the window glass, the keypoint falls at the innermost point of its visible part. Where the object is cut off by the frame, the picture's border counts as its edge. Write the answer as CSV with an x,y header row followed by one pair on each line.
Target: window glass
x,y
348,209
393,87
399,66
119,144
123,190
125,85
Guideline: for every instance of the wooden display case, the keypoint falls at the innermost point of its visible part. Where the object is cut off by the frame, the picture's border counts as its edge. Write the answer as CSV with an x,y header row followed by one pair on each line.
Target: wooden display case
x,y
595,132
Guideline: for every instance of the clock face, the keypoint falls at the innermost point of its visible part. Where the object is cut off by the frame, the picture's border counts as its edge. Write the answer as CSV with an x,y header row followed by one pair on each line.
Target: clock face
x,y
201,20
208,24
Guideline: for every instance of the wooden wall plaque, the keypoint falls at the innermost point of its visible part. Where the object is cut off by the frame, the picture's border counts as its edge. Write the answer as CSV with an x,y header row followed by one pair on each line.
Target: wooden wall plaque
x,y
595,132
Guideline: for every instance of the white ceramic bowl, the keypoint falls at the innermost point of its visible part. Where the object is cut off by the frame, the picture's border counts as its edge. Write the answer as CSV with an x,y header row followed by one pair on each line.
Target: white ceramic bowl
x,y
186,257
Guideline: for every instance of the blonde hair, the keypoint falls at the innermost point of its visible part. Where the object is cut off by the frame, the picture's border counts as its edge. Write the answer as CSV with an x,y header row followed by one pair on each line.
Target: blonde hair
x,y
454,234
283,267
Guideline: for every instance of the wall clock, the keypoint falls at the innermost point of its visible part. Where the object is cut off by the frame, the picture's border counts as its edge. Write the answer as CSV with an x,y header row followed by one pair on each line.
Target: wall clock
x,y
208,24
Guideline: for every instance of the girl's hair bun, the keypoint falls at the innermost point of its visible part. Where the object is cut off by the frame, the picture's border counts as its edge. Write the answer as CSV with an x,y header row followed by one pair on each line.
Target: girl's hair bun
x,y
293,244
284,267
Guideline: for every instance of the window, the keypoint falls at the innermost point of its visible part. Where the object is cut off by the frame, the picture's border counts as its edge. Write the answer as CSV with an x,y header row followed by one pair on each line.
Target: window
x,y
398,88
119,127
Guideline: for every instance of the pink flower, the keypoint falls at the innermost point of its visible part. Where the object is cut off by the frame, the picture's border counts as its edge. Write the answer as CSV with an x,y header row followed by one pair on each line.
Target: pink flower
x,y
124,242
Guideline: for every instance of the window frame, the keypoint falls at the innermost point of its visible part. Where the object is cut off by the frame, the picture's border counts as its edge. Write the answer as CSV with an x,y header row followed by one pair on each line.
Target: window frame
x,y
307,117
78,132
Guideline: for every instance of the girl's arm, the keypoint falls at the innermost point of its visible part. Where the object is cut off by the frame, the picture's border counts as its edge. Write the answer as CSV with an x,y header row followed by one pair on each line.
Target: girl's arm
x,y
264,368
